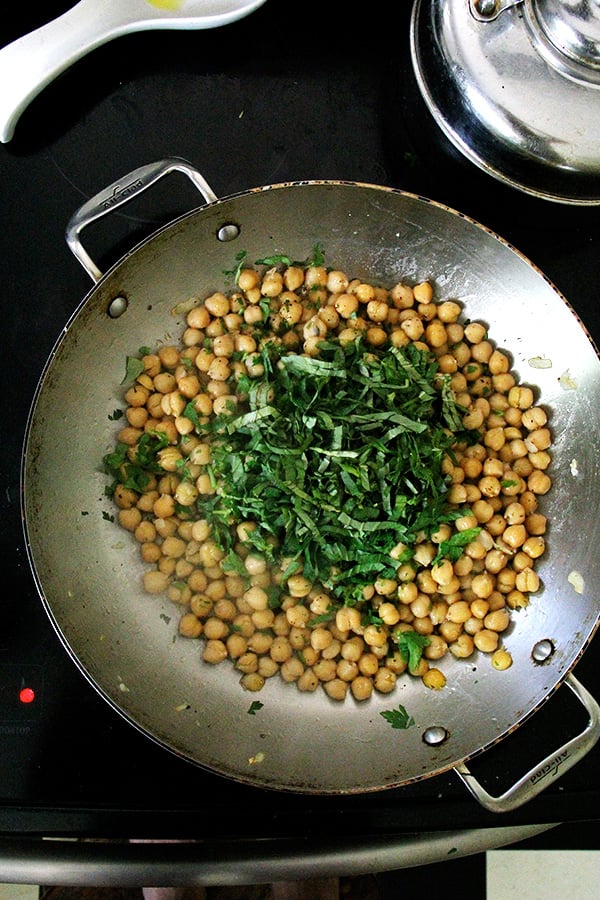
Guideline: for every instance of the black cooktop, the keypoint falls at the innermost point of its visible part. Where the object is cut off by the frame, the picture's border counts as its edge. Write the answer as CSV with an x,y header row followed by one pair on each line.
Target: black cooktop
x,y
313,92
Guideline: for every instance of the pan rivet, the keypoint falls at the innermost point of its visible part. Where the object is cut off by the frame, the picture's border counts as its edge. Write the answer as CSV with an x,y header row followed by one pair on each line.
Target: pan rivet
x,y
435,735
117,307
228,232
543,650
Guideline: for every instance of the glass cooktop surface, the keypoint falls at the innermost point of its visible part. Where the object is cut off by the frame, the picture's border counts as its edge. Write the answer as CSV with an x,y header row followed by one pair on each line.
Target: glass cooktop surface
x,y
324,94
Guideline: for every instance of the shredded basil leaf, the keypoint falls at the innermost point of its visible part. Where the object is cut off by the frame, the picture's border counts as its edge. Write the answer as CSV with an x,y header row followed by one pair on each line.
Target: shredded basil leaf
x,y
337,458
133,368
452,549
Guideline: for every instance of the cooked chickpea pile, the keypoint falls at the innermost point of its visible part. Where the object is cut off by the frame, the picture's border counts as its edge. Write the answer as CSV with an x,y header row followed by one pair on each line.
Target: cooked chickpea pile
x,y
457,607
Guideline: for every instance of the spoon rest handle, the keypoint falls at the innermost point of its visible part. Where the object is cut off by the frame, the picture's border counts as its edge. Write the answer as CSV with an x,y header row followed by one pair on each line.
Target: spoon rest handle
x,y
31,62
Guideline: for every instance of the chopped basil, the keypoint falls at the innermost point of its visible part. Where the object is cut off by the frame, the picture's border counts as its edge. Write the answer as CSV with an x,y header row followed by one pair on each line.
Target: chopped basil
x,y
133,368
452,549
337,459
133,473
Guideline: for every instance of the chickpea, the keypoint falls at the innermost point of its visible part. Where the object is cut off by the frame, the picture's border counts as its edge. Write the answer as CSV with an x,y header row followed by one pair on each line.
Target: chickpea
x,y
535,524
490,486
281,649
346,305
255,564
130,519
347,670
361,687
501,659
423,292
186,494
534,417
291,669
290,310
257,598
389,613
219,369
421,605
436,648
434,679
215,652
377,310
145,532
486,640
352,649
450,631
514,536
217,304
337,282
402,296
458,612
413,328
190,626
155,582
348,619
315,276
482,351
281,626
320,603
298,616
267,667
435,334
384,680
198,317
498,620
325,669
320,638
527,581
483,584
534,546
449,311
299,586
374,636
252,681
169,356
520,396
368,664
259,643
308,681
215,629
336,688
462,647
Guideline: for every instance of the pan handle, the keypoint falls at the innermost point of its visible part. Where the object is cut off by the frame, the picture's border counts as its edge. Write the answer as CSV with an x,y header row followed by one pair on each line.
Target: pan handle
x,y
121,192
552,767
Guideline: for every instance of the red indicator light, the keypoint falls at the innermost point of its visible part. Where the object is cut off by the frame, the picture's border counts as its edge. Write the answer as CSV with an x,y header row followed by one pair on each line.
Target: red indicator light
x,y
26,695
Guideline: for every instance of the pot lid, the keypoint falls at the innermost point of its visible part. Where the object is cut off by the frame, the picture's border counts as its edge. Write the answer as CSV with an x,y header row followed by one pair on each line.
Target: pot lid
x,y
515,86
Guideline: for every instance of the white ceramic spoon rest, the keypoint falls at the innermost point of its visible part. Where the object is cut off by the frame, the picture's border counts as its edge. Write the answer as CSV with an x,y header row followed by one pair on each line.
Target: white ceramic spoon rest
x,y
34,60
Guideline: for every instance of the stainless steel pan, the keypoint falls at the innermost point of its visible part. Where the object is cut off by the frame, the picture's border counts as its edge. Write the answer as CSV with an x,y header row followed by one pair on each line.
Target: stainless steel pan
x,y
88,572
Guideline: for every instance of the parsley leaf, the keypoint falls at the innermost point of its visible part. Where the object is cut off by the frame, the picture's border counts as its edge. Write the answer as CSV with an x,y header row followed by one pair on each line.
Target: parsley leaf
x,y
411,645
398,718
